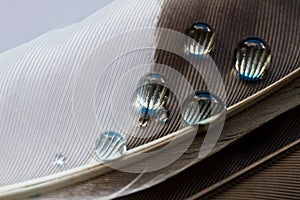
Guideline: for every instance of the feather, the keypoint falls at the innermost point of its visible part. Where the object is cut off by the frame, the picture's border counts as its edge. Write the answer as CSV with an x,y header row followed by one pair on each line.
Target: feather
x,y
268,147
248,105
254,147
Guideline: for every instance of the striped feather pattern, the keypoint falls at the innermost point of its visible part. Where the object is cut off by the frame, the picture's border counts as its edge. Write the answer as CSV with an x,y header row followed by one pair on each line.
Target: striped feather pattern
x,y
220,166
232,20
262,165
276,179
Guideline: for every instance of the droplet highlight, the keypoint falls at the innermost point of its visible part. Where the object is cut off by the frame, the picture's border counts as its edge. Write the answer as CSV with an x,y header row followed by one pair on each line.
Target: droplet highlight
x,y
202,108
203,39
59,160
252,58
110,146
152,93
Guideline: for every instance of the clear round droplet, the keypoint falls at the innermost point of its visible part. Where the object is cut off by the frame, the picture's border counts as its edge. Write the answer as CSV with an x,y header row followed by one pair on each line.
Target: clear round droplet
x,y
162,115
252,58
202,108
59,160
152,93
203,39
109,146
144,121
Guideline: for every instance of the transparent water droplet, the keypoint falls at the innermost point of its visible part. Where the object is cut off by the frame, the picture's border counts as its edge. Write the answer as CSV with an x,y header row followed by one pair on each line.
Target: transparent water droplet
x,y
202,108
59,160
152,93
203,39
162,115
144,121
152,78
109,146
252,58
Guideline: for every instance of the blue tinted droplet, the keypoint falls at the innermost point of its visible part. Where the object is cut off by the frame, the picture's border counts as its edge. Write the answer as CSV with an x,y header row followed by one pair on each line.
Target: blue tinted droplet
x,y
252,58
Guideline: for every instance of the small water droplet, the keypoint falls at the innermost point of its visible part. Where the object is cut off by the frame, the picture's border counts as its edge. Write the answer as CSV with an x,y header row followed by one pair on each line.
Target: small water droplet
x,y
162,115
59,160
109,146
252,58
152,93
202,108
144,121
203,39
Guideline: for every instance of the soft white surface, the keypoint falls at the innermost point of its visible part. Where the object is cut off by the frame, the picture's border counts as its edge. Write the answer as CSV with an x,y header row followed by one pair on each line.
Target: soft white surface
x,y
36,80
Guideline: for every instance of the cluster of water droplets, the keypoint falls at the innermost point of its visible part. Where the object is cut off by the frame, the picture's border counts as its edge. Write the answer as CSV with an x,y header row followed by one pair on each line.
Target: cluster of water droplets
x,y
252,54
252,58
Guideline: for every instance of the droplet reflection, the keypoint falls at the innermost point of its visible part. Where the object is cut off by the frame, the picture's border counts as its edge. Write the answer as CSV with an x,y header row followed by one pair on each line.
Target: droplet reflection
x,y
252,58
152,94
109,146
59,160
203,39
202,108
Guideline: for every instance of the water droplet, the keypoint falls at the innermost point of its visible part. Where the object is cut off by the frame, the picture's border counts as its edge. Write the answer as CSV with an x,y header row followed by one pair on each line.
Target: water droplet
x,y
109,146
59,160
202,108
162,115
152,78
152,93
144,121
252,58
203,39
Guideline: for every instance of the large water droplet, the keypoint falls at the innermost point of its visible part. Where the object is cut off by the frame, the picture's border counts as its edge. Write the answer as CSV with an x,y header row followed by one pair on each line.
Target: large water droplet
x,y
109,146
59,160
152,93
162,115
203,39
252,58
202,108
